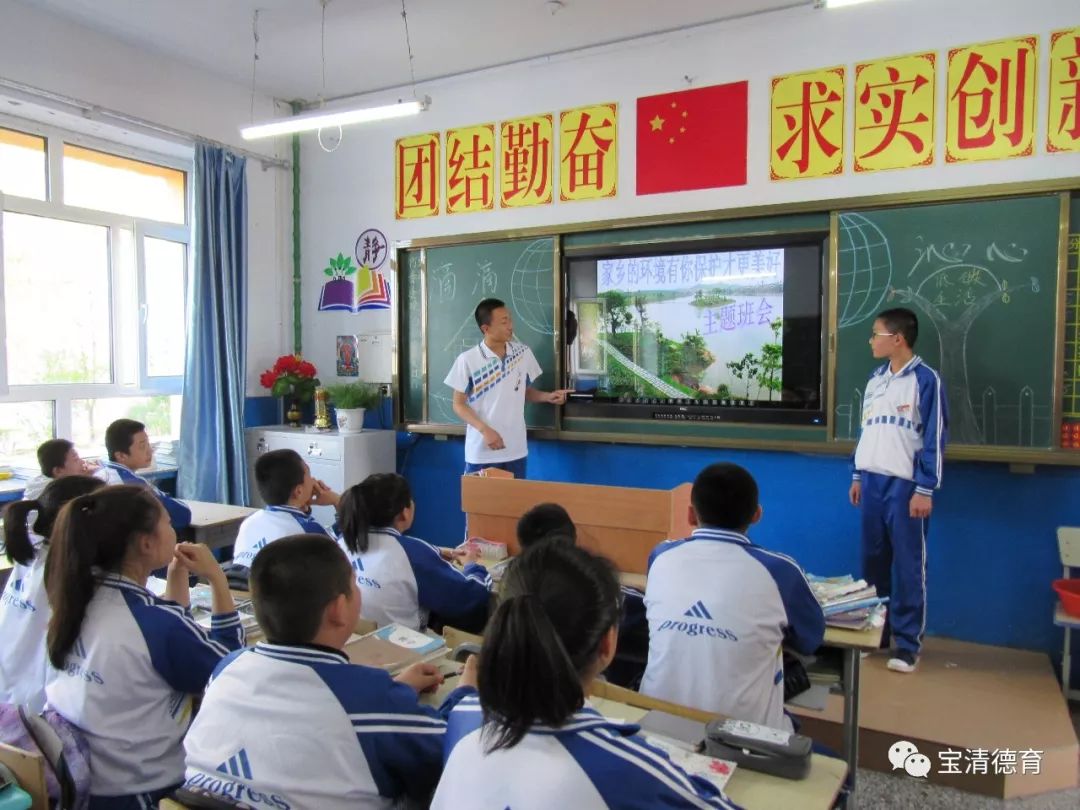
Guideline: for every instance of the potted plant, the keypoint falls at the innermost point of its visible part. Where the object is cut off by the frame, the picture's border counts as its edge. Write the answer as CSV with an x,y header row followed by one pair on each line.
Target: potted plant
x,y
294,378
350,400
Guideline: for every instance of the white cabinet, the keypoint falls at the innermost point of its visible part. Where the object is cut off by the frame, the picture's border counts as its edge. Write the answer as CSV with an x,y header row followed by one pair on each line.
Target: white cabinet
x,y
338,459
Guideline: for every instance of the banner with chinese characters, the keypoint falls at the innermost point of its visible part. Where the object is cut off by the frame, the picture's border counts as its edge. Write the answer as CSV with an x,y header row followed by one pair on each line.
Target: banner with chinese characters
x,y
588,152
416,176
526,151
470,169
1063,123
894,113
990,103
807,124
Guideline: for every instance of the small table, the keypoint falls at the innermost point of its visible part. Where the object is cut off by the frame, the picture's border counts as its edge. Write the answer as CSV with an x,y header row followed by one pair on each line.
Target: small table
x,y
214,524
1069,623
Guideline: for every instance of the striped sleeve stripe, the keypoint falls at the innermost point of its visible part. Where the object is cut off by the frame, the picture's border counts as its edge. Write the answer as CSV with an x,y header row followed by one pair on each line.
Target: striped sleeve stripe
x,y
690,797
385,729
200,634
404,718
647,755
939,467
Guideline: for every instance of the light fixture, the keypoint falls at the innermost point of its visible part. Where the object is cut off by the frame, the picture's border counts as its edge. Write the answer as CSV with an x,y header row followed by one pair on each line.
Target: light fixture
x,y
837,3
309,123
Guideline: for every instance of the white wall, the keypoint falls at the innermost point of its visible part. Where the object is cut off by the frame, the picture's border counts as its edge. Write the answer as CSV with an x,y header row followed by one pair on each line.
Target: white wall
x,y
351,189
52,54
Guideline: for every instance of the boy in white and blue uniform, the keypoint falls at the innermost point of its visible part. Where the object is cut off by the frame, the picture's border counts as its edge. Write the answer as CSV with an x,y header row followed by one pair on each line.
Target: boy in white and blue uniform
x,y
896,467
404,580
129,683
129,449
721,609
58,458
491,382
284,481
587,763
291,723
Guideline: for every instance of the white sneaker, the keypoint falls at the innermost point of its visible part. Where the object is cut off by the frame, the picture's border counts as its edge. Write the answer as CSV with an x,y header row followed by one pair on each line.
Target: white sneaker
x,y
903,661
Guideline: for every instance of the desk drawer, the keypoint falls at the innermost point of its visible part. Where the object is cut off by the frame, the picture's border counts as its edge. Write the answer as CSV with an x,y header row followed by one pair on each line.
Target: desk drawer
x,y
310,446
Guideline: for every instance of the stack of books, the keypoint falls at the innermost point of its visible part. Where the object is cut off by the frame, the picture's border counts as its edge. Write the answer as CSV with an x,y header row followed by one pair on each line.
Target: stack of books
x,y
848,603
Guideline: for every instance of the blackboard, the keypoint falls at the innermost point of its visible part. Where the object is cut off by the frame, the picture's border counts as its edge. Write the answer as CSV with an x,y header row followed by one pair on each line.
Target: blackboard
x,y
982,276
520,272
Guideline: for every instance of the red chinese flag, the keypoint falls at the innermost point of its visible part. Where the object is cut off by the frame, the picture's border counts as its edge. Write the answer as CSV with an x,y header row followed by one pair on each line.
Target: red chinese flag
x,y
692,139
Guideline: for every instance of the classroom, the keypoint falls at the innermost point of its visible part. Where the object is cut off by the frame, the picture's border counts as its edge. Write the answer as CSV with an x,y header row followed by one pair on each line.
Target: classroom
x,y
393,273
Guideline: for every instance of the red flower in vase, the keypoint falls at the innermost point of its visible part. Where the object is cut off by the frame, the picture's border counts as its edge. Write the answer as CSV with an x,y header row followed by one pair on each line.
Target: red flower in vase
x,y
291,376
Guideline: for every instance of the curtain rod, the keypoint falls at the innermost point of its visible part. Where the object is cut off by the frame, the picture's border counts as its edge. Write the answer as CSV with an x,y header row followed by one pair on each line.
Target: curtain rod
x,y
95,112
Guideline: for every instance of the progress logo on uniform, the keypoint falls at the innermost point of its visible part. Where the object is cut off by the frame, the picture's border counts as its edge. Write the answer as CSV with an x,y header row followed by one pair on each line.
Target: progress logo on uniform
x,y
239,766
698,610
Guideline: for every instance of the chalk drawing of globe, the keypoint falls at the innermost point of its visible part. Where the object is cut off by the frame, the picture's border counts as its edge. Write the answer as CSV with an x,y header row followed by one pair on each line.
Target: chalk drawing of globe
x,y
530,287
865,269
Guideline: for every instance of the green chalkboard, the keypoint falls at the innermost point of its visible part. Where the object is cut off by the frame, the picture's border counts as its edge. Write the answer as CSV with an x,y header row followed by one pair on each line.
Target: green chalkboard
x,y
521,272
412,337
982,277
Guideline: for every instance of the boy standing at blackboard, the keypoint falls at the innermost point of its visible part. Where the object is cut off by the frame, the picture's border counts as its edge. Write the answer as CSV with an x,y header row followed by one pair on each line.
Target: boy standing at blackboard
x,y
492,382
897,465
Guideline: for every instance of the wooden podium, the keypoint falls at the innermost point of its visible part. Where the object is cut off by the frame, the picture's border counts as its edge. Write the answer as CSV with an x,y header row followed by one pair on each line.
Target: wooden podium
x,y
622,523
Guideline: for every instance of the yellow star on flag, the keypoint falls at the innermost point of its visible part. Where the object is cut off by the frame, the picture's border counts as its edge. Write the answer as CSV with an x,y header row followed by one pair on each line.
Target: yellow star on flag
x,y
657,123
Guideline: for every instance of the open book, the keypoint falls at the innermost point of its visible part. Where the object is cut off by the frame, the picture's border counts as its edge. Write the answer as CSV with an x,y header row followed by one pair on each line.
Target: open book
x,y
394,647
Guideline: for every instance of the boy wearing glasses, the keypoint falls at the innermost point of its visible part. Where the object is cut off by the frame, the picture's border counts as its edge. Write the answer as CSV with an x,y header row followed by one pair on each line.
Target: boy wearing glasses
x,y
897,465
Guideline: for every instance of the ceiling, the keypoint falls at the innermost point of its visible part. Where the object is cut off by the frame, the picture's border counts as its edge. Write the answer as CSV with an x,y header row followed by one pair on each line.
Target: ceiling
x,y
365,39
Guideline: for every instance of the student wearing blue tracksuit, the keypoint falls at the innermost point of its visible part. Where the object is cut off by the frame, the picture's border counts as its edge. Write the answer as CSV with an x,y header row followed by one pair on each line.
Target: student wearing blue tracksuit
x,y
530,740
285,484
129,664
403,579
896,468
129,449
291,723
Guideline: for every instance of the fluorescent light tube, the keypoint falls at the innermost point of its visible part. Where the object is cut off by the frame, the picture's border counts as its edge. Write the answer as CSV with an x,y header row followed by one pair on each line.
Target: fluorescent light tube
x,y
336,118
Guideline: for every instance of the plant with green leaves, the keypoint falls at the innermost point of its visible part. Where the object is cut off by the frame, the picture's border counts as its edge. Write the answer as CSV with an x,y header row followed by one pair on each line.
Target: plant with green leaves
x,y
346,396
340,267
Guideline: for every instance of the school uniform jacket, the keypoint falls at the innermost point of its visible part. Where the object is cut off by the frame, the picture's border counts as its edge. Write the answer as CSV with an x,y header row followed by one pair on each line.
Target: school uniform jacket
x,y
719,609
24,620
117,473
403,580
128,683
268,525
904,426
588,763
292,727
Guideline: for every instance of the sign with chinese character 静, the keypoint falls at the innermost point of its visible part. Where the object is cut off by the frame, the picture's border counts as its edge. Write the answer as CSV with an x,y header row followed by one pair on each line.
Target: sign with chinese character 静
x,y
470,169
990,102
894,113
1063,124
526,151
588,149
416,176
807,124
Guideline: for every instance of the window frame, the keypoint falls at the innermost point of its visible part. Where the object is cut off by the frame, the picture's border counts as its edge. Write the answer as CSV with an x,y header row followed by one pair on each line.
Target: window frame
x,y
127,317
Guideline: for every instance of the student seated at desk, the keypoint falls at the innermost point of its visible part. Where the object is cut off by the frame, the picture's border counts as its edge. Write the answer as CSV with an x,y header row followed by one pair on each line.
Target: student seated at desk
x,y
720,608
58,458
129,449
285,484
24,606
291,723
129,663
552,521
530,740
404,579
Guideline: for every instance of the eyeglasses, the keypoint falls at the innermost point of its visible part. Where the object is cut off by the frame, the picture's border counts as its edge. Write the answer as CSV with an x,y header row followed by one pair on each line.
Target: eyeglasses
x,y
881,334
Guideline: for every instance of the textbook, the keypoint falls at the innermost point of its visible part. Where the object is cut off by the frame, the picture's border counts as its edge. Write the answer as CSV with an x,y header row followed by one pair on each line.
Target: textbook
x,y
394,647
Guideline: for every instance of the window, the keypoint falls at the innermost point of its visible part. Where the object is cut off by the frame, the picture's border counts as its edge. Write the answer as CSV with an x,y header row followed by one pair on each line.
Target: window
x,y
119,185
22,164
93,269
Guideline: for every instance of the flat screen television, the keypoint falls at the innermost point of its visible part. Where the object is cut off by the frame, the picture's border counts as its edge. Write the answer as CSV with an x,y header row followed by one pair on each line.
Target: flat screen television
x,y
724,331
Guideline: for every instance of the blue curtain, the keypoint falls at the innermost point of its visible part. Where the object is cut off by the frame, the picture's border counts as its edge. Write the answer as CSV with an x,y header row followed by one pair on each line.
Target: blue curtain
x,y
212,464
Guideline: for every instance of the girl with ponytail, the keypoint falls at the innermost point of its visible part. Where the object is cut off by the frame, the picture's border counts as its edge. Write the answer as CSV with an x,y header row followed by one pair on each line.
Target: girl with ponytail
x,y
530,740
24,606
129,662
403,579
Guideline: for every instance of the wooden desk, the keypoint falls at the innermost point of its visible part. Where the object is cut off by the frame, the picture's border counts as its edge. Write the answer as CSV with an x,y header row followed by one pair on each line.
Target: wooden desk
x,y
214,524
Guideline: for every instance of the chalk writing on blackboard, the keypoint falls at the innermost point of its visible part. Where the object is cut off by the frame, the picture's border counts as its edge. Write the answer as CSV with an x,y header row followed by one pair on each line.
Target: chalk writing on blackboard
x,y
445,283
